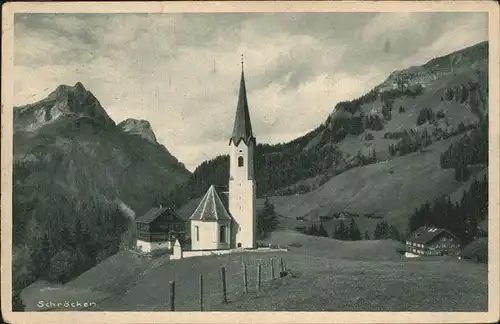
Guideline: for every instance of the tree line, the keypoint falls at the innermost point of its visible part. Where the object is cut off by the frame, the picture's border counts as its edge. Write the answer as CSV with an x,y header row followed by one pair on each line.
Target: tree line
x,y
460,218
471,148
351,232
58,251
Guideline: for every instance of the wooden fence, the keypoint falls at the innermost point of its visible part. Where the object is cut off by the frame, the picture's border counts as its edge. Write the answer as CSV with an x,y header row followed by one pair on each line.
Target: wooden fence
x,y
263,274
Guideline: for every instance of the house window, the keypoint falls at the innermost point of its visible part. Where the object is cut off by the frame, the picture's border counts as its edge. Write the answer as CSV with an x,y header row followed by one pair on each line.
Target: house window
x,y
197,233
240,161
223,234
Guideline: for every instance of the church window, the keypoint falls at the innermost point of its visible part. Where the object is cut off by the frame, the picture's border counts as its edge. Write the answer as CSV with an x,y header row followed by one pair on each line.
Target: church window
x,y
223,234
197,233
240,161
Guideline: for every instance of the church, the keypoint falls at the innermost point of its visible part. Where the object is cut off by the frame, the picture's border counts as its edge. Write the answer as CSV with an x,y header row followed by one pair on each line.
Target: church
x,y
226,220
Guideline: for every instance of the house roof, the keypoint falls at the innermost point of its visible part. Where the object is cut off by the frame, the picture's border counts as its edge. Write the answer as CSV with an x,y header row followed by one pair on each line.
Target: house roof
x,y
242,130
155,212
424,235
212,207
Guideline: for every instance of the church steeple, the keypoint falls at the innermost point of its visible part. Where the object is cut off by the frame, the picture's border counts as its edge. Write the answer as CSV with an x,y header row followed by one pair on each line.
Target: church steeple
x,y
242,129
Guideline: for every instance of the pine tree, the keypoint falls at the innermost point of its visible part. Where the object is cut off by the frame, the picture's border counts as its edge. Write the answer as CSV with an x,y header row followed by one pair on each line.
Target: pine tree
x,y
394,233
41,257
17,303
376,232
354,233
462,173
267,220
341,233
322,231
381,231
312,230
334,233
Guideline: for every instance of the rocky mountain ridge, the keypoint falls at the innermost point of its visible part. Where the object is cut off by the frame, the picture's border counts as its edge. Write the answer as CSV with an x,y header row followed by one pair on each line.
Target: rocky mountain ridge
x,y
64,101
138,127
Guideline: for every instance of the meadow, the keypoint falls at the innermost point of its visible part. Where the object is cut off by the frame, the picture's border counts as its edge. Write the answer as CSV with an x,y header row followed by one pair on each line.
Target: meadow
x,y
324,275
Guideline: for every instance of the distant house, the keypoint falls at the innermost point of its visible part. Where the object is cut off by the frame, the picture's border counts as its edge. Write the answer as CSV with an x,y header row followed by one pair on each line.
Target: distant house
x,y
429,241
158,228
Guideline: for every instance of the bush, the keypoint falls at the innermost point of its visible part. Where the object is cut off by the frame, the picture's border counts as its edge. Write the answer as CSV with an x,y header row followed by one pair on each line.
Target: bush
x,y
425,114
462,173
62,265
476,251
440,114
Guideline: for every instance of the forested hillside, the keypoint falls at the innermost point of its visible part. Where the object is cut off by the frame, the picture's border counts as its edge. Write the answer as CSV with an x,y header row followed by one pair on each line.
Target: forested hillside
x,y
409,111
78,181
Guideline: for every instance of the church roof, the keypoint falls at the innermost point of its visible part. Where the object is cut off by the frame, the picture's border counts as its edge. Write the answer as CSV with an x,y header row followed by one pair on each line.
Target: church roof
x,y
212,207
242,130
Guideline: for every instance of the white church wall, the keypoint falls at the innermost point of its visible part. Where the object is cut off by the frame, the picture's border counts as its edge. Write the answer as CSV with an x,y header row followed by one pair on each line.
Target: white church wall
x,y
242,208
147,247
247,152
208,235
179,254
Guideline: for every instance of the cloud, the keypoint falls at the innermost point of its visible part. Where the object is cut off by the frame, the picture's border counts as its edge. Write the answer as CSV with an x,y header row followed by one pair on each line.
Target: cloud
x,y
181,71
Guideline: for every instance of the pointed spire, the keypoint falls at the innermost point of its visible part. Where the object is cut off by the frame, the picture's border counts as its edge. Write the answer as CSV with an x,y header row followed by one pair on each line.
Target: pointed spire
x,y
242,129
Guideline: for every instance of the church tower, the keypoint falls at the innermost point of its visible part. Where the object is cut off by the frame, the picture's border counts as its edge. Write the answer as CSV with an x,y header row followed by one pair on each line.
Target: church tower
x,y
241,174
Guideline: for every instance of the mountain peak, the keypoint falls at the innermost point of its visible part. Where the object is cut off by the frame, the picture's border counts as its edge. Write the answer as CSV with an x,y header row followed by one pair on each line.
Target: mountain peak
x,y
65,100
64,89
139,127
449,64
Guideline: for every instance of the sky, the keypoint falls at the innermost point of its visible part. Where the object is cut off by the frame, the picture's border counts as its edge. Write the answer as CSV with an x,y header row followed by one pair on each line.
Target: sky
x,y
181,72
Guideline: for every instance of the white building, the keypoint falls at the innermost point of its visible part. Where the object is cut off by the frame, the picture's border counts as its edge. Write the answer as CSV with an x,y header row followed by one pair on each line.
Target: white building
x,y
211,223
218,223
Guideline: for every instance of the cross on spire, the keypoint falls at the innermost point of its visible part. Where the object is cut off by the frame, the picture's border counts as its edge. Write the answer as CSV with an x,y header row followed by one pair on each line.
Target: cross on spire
x,y
242,129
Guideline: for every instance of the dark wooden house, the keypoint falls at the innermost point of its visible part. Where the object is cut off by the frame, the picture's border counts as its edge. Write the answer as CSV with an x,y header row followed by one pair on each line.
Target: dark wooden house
x,y
431,241
158,228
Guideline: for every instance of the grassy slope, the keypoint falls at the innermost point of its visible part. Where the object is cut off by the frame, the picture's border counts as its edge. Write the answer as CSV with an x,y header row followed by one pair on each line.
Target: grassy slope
x,y
329,275
391,188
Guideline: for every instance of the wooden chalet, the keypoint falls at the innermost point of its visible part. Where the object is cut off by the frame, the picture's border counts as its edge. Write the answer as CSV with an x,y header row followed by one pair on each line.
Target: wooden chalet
x,y
431,241
158,228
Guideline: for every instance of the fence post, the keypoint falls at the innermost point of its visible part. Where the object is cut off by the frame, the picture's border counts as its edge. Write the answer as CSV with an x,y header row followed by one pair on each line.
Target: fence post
x,y
272,268
282,265
258,276
172,296
245,282
201,293
223,278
